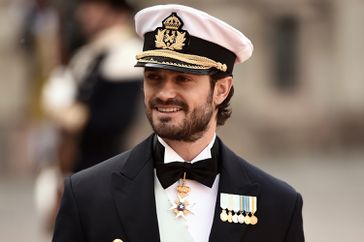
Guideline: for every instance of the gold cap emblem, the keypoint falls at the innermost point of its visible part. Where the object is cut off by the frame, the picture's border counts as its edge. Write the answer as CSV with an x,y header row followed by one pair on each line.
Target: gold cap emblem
x,y
172,22
171,36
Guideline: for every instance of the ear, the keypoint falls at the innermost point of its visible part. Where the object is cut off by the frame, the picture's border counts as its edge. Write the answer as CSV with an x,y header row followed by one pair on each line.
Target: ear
x,y
222,89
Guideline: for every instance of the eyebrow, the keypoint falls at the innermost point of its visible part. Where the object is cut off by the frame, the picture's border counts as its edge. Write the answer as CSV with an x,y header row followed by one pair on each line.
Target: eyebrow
x,y
149,69
158,71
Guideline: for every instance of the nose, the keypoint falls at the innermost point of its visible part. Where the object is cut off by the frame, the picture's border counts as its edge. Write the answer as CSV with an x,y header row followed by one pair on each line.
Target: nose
x,y
167,91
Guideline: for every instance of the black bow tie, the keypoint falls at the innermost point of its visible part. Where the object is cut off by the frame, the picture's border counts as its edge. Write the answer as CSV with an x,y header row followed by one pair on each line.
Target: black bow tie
x,y
203,171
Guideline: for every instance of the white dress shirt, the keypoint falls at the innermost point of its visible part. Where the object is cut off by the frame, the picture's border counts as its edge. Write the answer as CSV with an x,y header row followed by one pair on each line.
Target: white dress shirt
x,y
203,199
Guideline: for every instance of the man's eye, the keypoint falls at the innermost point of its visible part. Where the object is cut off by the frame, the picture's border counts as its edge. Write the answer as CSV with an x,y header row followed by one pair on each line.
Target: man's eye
x,y
153,77
182,79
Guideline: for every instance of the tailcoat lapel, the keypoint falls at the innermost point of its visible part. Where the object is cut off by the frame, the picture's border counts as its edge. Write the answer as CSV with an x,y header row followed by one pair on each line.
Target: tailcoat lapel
x,y
233,180
133,193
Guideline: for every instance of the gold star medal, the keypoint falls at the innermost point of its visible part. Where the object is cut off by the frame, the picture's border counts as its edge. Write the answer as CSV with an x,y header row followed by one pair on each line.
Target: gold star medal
x,y
181,207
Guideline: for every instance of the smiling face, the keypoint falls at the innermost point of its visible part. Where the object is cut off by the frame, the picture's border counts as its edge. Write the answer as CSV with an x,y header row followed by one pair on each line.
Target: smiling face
x,y
179,106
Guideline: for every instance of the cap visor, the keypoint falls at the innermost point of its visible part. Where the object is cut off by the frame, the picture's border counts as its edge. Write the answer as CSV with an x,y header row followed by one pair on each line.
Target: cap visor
x,y
176,68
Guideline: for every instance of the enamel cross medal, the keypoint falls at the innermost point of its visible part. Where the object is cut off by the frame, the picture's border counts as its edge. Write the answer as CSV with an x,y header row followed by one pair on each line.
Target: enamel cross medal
x,y
181,207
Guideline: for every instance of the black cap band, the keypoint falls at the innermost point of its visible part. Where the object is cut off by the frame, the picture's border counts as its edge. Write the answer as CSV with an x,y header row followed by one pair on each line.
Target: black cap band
x,y
198,47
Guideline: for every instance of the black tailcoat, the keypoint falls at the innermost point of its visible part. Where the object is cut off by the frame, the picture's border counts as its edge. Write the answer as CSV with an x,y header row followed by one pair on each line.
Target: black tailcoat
x,y
115,199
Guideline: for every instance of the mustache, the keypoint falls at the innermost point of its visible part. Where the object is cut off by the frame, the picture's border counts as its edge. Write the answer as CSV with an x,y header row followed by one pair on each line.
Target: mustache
x,y
153,103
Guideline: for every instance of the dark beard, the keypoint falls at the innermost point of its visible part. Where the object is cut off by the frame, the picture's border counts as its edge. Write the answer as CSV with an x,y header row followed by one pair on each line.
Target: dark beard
x,y
193,126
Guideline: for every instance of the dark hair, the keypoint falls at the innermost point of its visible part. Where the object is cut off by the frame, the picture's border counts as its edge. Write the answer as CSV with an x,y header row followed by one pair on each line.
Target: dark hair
x,y
224,110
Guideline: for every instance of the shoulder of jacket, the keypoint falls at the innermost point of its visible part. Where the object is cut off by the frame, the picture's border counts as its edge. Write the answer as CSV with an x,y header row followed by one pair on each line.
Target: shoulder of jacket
x,y
267,182
101,172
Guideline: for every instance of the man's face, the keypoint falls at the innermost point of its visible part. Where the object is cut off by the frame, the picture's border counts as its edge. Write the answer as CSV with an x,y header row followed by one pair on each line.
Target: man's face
x,y
179,106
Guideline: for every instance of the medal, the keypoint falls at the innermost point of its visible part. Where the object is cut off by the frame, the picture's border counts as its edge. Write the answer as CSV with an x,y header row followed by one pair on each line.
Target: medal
x,y
230,217
246,205
241,216
223,205
230,208
223,216
236,208
253,220
235,218
250,207
247,219
181,206
253,209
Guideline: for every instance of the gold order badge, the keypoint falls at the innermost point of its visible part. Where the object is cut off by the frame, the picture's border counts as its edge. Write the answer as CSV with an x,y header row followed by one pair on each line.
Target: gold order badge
x,y
181,207
171,36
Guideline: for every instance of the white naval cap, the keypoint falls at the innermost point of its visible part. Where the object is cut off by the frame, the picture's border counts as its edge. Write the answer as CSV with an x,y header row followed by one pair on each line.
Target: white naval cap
x,y
185,39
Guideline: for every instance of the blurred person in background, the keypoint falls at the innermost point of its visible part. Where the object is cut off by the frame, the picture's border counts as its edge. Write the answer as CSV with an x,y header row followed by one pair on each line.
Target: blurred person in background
x,y
93,100
181,183
40,38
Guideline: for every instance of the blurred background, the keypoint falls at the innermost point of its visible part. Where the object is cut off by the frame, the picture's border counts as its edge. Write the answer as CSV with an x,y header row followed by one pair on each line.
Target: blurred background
x,y
298,108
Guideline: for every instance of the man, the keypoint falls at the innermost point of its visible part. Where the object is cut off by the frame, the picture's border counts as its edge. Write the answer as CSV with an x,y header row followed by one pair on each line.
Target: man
x,y
182,183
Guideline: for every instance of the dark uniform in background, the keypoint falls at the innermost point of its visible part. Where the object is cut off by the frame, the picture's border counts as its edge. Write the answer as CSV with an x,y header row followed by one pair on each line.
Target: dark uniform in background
x,y
95,123
112,106
109,86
